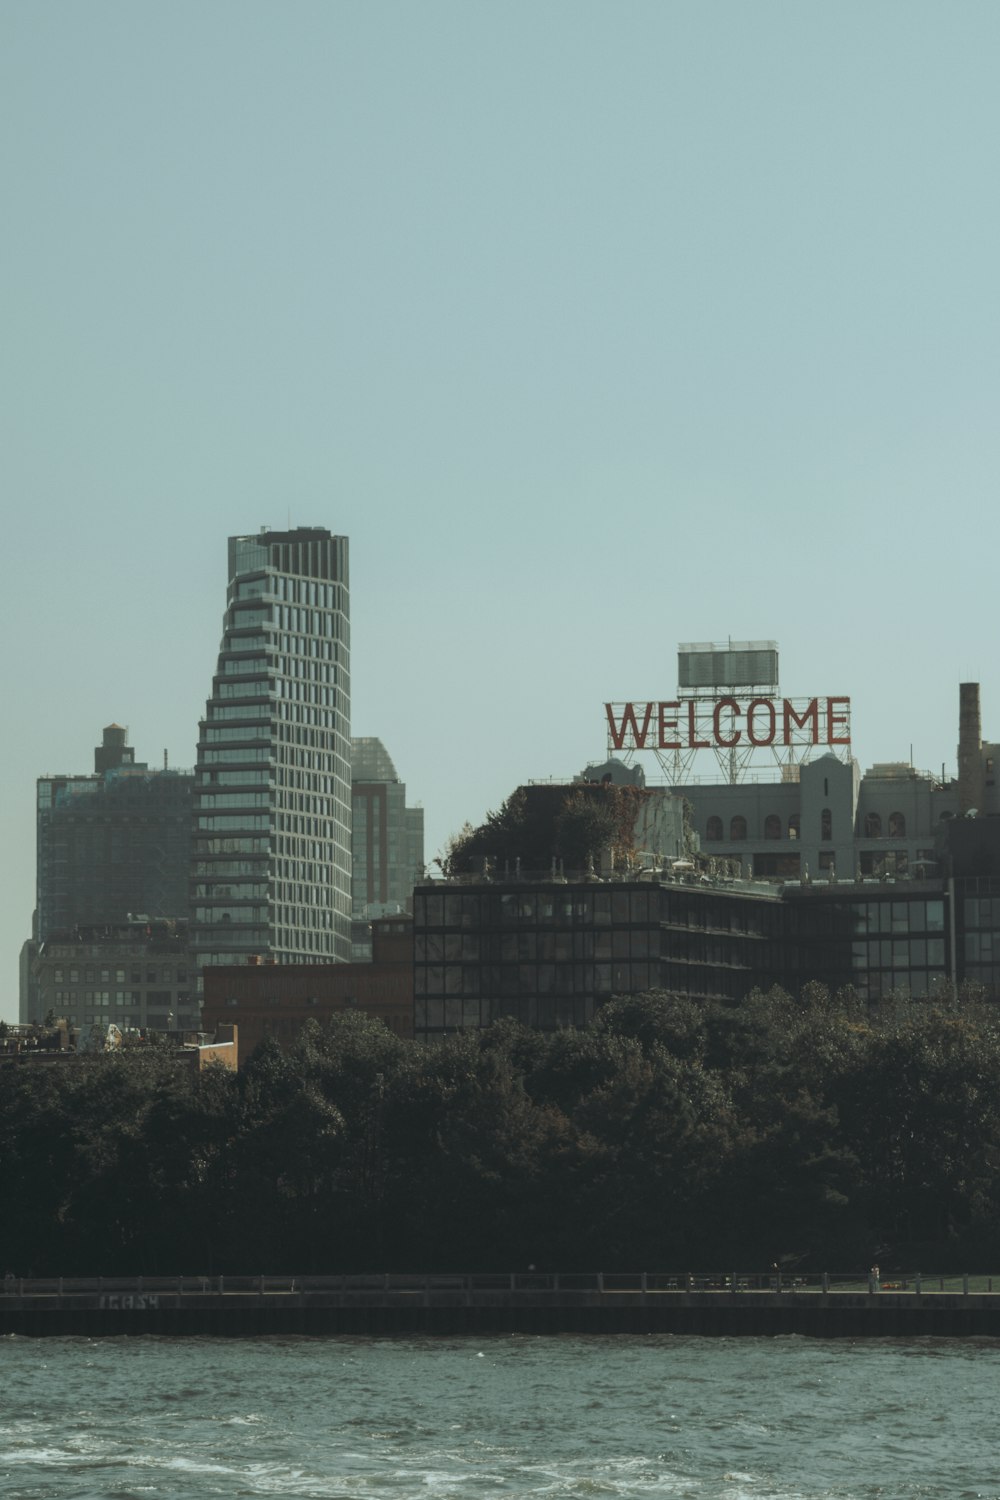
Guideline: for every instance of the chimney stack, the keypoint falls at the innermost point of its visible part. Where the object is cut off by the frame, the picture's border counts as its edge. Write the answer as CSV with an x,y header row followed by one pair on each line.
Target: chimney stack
x,y
970,745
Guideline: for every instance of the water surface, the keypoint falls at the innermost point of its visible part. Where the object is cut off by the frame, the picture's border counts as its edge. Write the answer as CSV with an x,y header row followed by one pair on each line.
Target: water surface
x,y
709,1419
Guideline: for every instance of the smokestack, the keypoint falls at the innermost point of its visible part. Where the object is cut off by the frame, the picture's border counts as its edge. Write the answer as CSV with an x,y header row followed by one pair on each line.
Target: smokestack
x,y
970,745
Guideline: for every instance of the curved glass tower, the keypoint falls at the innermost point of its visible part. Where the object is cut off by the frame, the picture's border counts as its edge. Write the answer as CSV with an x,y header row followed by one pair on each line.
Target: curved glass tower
x,y
272,800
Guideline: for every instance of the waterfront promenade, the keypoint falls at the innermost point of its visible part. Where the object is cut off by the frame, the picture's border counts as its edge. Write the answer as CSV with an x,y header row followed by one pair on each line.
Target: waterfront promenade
x,y
825,1306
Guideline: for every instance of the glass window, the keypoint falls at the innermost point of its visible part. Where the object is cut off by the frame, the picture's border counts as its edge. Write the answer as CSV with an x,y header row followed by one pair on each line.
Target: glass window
x,y
713,830
873,826
737,829
452,911
772,826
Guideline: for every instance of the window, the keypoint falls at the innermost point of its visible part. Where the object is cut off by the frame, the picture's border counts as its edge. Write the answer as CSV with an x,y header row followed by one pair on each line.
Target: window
x,y
713,830
772,826
737,829
794,826
826,824
897,825
873,826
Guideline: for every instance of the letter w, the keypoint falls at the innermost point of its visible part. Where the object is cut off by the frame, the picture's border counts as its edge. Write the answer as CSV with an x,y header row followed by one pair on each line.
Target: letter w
x,y
628,725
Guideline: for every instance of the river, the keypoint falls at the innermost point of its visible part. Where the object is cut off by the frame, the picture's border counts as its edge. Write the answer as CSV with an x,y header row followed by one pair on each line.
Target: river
x,y
703,1419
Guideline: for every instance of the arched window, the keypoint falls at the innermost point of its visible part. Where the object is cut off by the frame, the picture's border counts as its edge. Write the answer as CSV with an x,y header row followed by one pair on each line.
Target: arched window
x,y
713,830
737,829
794,826
873,826
772,826
897,825
826,824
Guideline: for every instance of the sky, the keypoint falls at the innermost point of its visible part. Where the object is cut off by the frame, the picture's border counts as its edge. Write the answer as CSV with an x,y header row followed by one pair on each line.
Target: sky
x,y
595,327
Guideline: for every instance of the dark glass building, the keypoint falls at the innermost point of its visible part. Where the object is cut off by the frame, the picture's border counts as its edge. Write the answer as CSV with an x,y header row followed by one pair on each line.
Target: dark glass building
x,y
549,952
113,844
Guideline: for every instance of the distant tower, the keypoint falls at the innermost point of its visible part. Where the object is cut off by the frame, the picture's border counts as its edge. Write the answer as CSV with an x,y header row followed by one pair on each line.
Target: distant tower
x,y
970,744
272,835
113,843
388,836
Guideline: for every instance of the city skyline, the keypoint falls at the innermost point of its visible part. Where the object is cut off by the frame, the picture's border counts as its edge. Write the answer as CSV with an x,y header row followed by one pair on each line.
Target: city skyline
x,y
595,331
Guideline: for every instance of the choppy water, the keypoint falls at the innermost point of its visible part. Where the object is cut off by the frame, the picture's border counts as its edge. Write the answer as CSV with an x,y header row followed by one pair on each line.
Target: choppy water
x,y
712,1419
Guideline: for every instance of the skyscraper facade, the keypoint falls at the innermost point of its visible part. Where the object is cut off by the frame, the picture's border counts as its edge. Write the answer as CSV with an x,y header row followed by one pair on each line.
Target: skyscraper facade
x,y
113,866
272,817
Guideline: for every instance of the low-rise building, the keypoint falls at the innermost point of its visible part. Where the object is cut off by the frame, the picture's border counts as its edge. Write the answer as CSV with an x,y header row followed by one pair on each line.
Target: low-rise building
x,y
133,975
267,999
59,1042
549,952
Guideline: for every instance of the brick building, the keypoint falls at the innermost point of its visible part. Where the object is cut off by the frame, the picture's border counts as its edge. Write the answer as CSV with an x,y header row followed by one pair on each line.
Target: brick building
x,y
269,999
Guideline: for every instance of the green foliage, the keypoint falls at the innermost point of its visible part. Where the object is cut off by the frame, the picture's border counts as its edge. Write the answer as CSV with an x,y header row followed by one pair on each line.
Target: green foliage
x,y
539,823
806,1131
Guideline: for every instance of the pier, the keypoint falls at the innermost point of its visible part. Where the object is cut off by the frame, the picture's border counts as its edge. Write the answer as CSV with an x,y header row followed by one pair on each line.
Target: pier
x,y
511,1303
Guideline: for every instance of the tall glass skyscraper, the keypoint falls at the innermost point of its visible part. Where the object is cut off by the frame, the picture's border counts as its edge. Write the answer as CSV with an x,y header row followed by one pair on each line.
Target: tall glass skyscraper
x,y
272,801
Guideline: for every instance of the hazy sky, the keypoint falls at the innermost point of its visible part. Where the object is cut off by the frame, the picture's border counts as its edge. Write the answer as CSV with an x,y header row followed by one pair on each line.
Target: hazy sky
x,y
596,328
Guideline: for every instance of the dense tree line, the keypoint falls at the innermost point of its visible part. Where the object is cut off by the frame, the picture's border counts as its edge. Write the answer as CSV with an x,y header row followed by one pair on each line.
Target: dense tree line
x,y
671,1134
575,824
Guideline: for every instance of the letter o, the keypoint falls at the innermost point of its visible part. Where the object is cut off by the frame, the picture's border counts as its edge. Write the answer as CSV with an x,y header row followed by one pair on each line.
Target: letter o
x,y
752,736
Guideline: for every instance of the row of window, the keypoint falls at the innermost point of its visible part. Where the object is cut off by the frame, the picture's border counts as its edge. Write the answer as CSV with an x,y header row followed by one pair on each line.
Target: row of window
x,y
899,953
533,943
93,975
305,591
715,830
238,755
535,979
119,997
260,776
898,916
773,828
982,911
598,908
537,1011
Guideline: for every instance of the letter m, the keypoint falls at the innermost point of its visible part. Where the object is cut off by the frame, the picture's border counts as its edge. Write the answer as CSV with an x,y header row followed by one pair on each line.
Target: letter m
x,y
808,719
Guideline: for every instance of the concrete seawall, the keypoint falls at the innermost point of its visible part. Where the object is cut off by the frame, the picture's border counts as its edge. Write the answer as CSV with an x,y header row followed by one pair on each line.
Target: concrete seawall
x,y
457,1306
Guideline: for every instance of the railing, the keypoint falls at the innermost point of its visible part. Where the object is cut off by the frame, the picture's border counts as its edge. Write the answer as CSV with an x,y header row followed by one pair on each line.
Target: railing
x,y
536,1283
